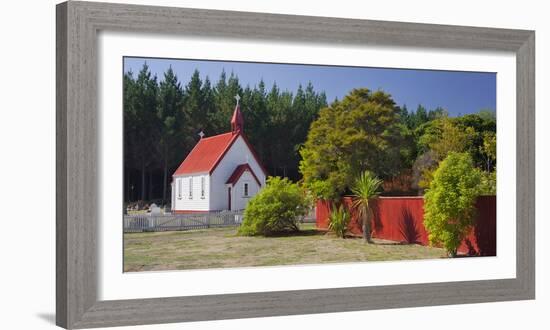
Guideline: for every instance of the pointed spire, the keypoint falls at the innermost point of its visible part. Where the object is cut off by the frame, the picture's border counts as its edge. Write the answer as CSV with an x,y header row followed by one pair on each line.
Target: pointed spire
x,y
237,122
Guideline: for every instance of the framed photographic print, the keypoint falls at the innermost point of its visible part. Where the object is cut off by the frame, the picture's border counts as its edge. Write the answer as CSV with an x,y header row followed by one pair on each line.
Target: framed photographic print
x,y
217,165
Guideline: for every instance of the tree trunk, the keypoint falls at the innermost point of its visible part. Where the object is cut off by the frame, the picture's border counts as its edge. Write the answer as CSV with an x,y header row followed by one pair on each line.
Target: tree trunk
x,y
126,184
365,235
164,177
367,228
150,188
143,191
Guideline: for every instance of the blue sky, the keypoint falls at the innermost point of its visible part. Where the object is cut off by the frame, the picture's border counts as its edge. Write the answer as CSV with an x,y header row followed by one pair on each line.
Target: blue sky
x,y
457,92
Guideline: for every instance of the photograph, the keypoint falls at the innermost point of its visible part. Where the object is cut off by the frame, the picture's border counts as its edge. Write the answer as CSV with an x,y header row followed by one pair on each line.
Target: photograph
x,y
247,164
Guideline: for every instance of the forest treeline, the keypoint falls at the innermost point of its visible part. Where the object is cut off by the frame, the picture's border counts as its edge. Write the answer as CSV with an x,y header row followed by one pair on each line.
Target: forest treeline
x,y
162,120
367,131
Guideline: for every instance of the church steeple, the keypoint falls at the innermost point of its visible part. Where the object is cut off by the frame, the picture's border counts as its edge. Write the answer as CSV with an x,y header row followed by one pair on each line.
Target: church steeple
x,y
237,122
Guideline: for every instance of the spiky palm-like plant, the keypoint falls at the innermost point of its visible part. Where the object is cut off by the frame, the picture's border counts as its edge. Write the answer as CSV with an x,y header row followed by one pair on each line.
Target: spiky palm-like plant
x,y
366,187
338,220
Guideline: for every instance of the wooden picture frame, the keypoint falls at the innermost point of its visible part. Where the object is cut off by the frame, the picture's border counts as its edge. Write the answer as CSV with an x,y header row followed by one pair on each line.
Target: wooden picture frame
x,y
78,24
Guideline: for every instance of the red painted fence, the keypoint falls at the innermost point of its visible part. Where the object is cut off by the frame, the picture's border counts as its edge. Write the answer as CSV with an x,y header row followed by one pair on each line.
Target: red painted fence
x,y
401,219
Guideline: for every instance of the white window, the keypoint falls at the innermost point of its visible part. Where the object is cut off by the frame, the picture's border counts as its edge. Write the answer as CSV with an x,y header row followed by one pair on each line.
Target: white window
x,y
179,187
202,186
245,190
190,187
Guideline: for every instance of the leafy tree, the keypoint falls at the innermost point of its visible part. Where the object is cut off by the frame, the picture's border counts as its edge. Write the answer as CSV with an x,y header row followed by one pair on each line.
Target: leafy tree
x,y
361,132
339,219
444,135
365,189
479,124
422,170
449,201
489,150
275,209
488,183
436,140
487,115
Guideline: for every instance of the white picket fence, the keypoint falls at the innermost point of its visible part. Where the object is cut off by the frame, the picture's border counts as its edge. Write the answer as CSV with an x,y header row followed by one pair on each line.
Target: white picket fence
x,y
310,217
169,222
173,222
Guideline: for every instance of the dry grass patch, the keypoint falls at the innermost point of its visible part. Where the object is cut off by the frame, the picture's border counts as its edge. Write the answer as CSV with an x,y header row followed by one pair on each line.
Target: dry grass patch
x,y
222,247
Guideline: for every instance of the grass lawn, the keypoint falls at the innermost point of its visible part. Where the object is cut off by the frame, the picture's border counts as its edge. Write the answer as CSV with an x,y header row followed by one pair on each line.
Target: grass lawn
x,y
222,247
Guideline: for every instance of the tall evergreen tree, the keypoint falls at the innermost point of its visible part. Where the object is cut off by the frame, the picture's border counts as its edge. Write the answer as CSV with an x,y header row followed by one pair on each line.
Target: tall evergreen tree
x,y
254,110
282,144
209,106
194,104
130,133
141,112
220,94
173,129
224,97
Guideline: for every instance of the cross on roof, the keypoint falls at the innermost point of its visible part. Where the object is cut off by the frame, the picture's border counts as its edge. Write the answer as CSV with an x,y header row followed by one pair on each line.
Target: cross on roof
x,y
237,97
201,134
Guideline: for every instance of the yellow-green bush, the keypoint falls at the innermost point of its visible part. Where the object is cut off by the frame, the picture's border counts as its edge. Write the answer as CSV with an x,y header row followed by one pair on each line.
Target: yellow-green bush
x,y
275,209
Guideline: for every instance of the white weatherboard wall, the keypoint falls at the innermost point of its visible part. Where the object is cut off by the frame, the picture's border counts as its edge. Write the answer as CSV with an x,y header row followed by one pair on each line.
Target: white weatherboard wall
x,y
238,198
239,153
196,202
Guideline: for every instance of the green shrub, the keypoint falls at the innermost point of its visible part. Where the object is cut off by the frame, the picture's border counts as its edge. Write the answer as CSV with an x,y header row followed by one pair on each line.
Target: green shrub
x,y
338,220
449,202
275,209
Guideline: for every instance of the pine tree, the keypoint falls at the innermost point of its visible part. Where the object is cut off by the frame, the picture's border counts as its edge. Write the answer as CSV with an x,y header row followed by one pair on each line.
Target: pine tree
x,y
224,97
142,111
254,110
130,132
173,128
208,106
194,104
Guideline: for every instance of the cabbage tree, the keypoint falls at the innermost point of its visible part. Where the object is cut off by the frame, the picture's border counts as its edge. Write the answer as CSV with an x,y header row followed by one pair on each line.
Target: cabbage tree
x,y
365,188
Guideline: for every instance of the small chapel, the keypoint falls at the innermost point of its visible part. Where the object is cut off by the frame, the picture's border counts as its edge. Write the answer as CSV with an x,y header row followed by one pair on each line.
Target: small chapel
x,y
222,172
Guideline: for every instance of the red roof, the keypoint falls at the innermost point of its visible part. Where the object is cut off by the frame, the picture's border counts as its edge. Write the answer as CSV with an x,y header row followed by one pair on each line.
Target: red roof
x,y
209,151
239,170
206,154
